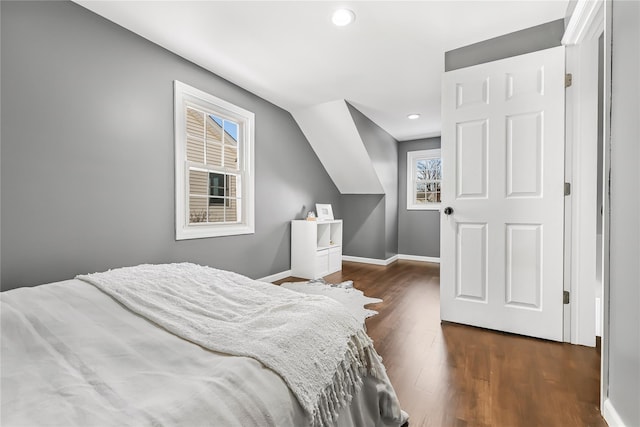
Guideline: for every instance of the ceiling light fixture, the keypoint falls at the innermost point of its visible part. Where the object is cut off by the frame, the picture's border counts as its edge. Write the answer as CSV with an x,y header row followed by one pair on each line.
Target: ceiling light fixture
x,y
413,116
342,17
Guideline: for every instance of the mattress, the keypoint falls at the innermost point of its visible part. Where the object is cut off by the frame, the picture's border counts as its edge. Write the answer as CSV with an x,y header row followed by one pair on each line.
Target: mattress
x,y
73,356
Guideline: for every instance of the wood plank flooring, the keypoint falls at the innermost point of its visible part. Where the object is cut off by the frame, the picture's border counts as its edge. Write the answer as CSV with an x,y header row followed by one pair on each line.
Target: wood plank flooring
x,y
449,375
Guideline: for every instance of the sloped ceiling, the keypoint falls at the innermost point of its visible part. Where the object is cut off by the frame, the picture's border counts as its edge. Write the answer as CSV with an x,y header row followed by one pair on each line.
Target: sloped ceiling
x,y
333,135
387,64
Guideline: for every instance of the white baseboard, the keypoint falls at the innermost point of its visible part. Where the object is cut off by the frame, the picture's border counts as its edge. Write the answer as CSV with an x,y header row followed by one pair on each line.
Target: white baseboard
x,y
277,276
370,260
419,258
388,261
611,415
287,273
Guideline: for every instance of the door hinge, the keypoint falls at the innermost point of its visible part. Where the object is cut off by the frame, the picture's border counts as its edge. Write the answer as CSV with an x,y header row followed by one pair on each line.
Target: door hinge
x,y
565,297
567,188
568,79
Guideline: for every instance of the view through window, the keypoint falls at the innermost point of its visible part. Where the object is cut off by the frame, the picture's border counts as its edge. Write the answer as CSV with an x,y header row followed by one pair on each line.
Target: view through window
x,y
424,179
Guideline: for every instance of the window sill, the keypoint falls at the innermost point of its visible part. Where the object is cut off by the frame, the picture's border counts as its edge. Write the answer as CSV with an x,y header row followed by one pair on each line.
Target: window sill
x,y
203,232
431,207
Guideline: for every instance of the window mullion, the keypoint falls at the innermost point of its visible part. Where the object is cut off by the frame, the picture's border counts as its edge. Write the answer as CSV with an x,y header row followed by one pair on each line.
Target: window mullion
x,y
222,155
204,135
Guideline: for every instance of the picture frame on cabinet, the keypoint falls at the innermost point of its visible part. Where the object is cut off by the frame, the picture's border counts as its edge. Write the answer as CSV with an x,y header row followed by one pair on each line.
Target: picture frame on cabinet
x,y
324,212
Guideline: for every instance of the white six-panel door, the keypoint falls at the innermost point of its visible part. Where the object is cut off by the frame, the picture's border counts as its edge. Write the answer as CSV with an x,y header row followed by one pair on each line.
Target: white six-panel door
x,y
503,176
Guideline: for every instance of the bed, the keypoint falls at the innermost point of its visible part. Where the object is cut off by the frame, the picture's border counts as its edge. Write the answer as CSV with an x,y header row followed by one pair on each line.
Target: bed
x,y
186,345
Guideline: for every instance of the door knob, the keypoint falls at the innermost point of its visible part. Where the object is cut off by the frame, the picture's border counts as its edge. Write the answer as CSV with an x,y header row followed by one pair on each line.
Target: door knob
x,y
448,210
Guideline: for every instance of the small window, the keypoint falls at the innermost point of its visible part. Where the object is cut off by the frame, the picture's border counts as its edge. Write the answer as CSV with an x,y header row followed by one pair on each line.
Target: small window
x,y
214,166
424,179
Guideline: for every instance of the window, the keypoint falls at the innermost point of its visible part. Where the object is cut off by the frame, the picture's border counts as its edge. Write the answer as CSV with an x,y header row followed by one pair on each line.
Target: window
x,y
218,188
214,166
424,179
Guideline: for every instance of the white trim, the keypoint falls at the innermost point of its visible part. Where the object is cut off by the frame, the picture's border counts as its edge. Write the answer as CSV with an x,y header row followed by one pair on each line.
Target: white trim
x,y
606,220
583,20
287,273
427,207
585,25
582,34
435,260
568,203
611,415
187,95
277,276
598,317
374,261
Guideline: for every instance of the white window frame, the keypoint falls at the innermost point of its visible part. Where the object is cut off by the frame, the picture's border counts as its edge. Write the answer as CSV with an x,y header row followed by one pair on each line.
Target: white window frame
x,y
185,95
412,158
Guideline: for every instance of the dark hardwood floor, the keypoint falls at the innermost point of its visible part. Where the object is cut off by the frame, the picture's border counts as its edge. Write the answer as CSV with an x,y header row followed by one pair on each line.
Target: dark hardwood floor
x,y
449,375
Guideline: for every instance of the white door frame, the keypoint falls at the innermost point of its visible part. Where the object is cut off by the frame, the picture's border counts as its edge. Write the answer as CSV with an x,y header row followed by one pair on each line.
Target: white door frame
x,y
581,39
588,21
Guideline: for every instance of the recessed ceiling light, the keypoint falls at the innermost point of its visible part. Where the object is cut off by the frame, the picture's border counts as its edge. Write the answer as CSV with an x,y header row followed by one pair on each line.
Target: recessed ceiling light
x,y
342,17
413,116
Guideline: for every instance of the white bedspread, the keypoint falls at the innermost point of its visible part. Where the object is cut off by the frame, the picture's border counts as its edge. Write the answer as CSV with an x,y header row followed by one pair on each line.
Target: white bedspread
x,y
314,344
72,356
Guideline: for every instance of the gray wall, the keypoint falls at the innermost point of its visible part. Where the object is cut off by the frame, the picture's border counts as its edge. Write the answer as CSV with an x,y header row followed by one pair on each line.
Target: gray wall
x,y
363,226
624,293
532,39
87,154
383,152
418,231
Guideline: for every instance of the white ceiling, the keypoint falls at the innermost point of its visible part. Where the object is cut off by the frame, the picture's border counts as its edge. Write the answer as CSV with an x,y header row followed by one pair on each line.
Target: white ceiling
x,y
387,64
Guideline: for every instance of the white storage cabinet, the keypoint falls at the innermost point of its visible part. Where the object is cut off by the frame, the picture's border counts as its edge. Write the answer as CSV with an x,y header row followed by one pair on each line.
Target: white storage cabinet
x,y
316,248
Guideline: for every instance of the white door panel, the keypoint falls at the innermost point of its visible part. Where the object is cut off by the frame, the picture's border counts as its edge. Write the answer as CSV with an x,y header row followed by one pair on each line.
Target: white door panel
x,y
471,256
503,171
472,159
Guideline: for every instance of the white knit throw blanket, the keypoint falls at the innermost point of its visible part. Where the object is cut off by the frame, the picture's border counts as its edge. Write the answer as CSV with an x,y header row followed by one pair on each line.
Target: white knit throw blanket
x,y
312,342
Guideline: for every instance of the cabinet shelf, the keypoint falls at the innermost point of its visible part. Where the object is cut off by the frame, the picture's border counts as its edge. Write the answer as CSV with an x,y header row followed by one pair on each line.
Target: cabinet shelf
x,y
316,248
321,248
